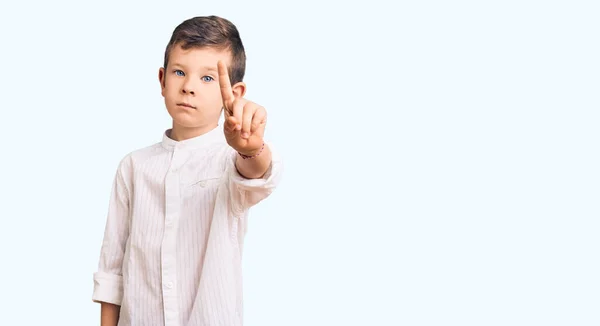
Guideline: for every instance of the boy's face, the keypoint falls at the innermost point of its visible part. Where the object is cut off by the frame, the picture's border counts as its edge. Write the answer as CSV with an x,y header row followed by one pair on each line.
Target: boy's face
x,y
190,86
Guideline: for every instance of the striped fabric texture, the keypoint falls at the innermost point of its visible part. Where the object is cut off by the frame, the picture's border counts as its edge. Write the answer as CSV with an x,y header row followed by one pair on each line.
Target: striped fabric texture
x,y
172,248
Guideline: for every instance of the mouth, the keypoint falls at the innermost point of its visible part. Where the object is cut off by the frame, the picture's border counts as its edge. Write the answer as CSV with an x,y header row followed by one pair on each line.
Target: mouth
x,y
186,105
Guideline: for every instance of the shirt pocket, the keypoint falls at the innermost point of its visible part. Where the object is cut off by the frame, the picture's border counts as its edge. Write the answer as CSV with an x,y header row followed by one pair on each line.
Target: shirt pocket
x,y
205,182
202,186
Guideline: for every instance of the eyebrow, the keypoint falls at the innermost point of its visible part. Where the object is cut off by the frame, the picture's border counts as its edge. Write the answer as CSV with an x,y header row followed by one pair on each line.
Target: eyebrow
x,y
208,68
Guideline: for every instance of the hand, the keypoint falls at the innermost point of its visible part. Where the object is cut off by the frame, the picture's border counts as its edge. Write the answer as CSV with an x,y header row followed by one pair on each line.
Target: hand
x,y
244,120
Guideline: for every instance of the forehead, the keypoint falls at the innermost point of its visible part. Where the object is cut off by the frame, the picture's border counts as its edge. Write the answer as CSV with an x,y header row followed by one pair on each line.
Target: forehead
x,y
195,56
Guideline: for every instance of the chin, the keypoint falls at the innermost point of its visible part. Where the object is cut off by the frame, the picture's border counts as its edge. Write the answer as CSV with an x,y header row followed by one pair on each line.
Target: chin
x,y
184,119
188,123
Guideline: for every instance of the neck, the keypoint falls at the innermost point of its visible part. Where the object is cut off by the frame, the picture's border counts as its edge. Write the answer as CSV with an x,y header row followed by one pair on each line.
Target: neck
x,y
180,133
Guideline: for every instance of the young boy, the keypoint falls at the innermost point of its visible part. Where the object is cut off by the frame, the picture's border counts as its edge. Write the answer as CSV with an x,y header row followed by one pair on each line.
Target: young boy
x,y
172,247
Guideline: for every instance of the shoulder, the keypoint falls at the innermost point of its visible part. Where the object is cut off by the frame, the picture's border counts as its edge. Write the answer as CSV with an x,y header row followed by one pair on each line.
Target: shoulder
x,y
133,159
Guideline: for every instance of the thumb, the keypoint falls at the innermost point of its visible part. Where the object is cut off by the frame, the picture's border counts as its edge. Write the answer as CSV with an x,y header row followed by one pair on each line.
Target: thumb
x,y
230,126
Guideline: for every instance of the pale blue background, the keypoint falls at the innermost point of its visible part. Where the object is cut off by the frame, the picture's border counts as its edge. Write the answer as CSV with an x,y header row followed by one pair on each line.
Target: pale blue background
x,y
442,163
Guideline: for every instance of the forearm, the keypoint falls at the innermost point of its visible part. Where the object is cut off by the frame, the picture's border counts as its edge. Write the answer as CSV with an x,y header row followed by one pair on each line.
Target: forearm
x,y
109,314
255,167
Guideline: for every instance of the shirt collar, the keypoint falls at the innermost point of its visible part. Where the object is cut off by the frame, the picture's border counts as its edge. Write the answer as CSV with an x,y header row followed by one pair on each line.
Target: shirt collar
x,y
206,139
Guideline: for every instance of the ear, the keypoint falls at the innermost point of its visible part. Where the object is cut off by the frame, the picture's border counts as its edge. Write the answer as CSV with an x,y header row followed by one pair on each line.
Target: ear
x,y
161,79
239,89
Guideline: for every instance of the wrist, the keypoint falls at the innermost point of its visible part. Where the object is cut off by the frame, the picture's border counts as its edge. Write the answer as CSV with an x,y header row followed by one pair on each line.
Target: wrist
x,y
253,153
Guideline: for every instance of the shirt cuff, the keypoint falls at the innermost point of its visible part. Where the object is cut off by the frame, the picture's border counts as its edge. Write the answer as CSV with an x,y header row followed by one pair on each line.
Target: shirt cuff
x,y
268,181
108,288
246,193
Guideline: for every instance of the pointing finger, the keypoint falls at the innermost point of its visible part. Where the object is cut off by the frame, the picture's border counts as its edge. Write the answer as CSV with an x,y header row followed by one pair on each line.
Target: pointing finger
x,y
225,85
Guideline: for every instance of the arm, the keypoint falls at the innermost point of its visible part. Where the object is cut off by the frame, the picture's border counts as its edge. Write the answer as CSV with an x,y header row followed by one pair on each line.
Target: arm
x,y
251,181
109,314
108,280
255,164
255,170
244,128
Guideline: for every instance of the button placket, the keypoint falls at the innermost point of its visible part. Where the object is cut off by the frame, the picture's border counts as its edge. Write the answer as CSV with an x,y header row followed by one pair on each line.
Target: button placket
x,y
169,245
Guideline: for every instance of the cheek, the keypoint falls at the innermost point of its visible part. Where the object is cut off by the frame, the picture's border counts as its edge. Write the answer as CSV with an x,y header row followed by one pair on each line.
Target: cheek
x,y
211,94
171,86
217,99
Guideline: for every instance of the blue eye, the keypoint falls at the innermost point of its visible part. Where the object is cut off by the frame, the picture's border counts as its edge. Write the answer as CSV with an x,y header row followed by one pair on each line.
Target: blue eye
x,y
179,73
207,78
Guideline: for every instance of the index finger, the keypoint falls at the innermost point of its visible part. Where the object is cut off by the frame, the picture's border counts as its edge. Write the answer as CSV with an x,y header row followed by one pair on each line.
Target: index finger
x,y
225,85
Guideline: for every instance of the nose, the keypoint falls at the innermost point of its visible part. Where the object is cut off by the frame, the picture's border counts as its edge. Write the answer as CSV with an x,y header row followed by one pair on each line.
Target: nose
x,y
188,88
187,91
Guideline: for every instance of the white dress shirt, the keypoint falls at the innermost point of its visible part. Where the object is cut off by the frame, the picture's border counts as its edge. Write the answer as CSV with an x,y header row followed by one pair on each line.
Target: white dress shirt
x,y
172,247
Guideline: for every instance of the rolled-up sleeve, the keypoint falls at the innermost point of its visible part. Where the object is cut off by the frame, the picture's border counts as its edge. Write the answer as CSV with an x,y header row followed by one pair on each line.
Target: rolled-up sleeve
x,y
108,288
108,279
246,193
